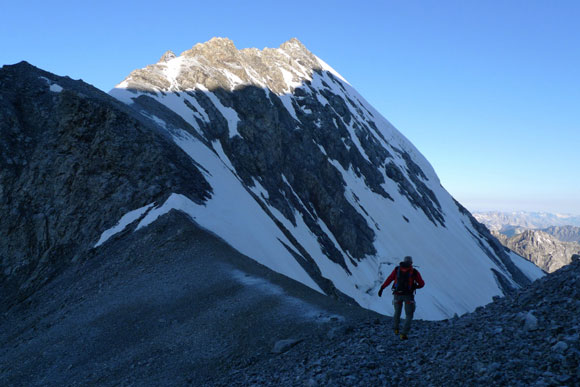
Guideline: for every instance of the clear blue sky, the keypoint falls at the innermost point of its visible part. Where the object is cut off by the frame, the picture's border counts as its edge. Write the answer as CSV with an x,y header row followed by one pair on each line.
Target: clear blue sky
x,y
489,91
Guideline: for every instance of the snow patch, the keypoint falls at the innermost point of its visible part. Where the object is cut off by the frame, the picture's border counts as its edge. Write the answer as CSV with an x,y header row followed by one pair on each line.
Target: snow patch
x,y
259,190
287,102
529,269
125,220
291,84
55,87
229,114
172,69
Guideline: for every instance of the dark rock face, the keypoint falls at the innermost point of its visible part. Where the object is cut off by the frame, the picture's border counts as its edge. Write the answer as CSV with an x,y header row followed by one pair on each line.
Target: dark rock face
x,y
73,160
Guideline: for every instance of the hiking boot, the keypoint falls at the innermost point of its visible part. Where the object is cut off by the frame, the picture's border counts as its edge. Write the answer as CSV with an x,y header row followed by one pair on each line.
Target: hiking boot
x,y
404,337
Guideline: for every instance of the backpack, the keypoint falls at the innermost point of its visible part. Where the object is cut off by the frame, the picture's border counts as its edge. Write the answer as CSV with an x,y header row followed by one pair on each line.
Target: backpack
x,y
404,282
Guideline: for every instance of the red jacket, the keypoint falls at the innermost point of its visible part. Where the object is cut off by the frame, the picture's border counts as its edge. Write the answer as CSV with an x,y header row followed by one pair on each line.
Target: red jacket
x,y
418,282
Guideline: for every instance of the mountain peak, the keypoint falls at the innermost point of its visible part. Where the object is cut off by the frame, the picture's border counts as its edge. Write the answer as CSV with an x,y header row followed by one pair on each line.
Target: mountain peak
x,y
300,53
293,44
24,65
218,41
167,56
214,46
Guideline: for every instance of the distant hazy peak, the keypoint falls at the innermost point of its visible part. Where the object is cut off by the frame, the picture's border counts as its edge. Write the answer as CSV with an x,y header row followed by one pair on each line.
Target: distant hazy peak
x,y
496,220
541,248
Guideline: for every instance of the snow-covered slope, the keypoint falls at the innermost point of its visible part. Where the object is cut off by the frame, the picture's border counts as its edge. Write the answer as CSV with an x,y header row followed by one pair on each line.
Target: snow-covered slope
x,y
311,181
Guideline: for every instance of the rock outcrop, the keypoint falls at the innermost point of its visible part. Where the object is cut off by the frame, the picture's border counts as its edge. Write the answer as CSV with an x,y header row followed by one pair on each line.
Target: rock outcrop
x,y
541,248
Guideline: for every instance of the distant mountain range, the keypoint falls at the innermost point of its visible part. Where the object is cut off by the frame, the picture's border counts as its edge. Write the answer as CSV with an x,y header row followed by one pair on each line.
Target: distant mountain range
x,y
548,240
564,233
496,220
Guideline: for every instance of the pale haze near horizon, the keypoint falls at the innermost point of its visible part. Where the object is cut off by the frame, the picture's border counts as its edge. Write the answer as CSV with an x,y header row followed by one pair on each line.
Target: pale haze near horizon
x,y
489,92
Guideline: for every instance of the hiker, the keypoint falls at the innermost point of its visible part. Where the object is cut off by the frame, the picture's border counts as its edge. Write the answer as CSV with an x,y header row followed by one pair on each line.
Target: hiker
x,y
407,279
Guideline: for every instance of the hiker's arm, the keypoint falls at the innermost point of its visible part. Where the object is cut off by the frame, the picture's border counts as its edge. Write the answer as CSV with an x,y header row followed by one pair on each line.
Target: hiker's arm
x,y
419,280
389,279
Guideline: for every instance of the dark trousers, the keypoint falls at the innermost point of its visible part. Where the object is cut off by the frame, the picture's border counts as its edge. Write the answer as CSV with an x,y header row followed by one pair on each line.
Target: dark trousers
x,y
409,302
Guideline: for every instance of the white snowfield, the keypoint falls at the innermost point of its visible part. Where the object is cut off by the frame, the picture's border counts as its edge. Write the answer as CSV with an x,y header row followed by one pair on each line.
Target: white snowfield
x,y
456,269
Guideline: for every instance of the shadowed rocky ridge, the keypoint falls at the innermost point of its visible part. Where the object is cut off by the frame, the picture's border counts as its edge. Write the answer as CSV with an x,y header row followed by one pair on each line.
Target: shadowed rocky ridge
x,y
73,160
169,304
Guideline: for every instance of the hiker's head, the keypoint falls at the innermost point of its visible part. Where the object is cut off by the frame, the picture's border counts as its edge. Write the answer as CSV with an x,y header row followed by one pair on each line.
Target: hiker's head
x,y
408,260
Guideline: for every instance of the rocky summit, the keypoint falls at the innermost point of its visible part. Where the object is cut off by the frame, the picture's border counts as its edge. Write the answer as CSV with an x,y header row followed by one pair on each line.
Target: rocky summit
x,y
218,64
